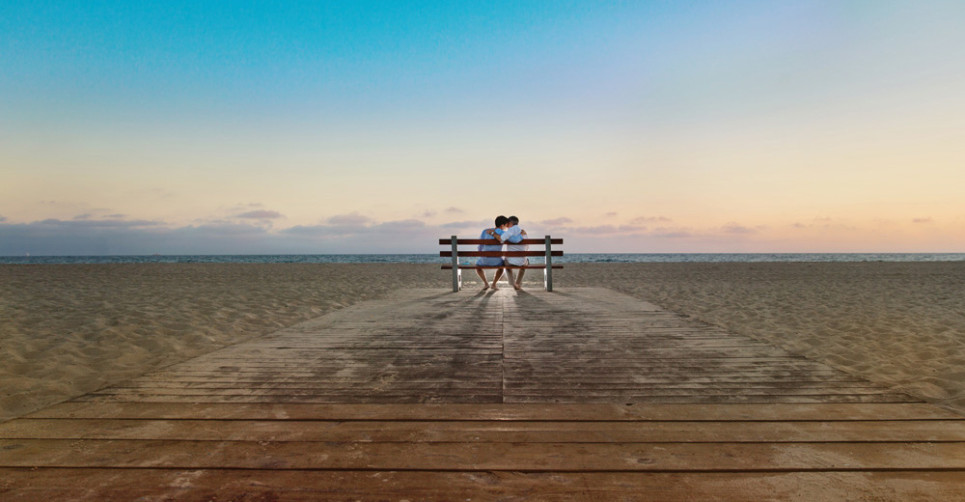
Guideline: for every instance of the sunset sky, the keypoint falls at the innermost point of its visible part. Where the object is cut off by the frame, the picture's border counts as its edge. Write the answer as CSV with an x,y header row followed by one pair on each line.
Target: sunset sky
x,y
348,127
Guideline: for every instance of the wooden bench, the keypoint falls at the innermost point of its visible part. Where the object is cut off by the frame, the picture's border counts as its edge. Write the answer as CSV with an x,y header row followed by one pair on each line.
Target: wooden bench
x,y
547,252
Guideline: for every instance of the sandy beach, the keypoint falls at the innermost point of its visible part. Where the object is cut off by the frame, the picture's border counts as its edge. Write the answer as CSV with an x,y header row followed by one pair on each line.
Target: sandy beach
x,y
71,329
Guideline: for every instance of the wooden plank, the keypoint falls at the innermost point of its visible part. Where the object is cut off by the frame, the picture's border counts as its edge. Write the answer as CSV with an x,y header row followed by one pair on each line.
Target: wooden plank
x,y
310,485
490,431
503,412
528,457
314,384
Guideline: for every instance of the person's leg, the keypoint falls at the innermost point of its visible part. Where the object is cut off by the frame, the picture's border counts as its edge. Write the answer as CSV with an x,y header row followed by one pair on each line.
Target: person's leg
x,y
482,275
509,276
499,273
519,279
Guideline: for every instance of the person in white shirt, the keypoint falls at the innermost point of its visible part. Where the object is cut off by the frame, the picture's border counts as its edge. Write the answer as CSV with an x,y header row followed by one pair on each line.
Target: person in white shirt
x,y
512,237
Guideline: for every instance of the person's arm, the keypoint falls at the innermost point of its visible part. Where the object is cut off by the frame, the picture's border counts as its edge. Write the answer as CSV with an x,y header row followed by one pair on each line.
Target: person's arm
x,y
516,237
496,235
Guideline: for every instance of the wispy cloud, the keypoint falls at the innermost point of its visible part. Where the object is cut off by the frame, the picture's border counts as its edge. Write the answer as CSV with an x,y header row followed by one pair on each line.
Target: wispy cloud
x,y
672,234
54,223
736,228
556,221
108,237
923,220
260,214
341,228
606,230
352,219
468,224
650,219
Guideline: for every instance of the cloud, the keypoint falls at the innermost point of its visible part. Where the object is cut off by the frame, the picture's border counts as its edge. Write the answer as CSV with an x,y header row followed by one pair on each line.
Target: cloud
x,y
319,231
343,230
223,230
611,214
477,224
260,214
606,230
454,210
734,228
97,214
672,235
351,219
3,218
400,225
55,224
916,220
650,219
556,222
125,237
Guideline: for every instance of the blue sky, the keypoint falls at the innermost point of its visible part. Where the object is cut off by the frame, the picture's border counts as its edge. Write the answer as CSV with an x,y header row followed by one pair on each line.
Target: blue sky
x,y
325,127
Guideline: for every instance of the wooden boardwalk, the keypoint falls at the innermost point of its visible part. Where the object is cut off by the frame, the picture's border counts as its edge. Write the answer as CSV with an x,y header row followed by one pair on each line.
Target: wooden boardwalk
x,y
581,394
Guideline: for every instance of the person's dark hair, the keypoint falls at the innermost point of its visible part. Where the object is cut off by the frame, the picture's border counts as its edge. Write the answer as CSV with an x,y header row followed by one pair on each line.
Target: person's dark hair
x,y
514,219
501,220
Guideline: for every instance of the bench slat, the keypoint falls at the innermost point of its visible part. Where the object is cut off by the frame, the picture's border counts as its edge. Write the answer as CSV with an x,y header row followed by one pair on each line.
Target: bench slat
x,y
448,242
499,254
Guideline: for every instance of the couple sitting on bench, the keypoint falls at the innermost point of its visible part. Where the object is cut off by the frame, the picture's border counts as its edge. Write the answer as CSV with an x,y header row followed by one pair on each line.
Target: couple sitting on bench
x,y
506,231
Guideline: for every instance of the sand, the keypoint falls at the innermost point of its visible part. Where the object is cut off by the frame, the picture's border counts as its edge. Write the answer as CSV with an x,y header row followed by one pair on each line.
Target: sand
x,y
899,324
66,330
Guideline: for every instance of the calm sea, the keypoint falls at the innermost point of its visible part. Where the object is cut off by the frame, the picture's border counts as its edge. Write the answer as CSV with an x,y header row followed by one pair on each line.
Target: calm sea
x,y
430,258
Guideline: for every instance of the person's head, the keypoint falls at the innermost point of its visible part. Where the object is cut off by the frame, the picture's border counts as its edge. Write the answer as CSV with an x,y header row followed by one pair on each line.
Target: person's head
x,y
513,221
501,220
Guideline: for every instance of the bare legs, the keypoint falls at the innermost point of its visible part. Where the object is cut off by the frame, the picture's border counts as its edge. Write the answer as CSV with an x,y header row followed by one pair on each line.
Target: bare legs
x,y
499,273
517,281
482,275
518,284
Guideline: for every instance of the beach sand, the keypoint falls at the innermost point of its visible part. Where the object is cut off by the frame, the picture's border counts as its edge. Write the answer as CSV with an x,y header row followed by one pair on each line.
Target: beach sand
x,y
70,329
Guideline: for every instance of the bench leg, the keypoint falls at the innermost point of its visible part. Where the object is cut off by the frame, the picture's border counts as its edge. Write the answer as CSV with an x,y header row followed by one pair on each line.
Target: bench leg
x,y
456,272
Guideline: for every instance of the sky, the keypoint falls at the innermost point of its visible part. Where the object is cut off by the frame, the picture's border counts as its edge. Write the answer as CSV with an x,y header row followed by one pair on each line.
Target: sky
x,y
251,127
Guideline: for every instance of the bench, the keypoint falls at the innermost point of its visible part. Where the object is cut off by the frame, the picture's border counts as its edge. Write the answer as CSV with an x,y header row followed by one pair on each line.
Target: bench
x,y
547,252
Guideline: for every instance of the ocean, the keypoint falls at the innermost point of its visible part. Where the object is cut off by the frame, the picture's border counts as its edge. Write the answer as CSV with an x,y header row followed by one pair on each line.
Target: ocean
x,y
433,258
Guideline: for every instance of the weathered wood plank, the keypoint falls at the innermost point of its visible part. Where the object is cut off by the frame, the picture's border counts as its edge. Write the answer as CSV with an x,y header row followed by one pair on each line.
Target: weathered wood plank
x,y
161,484
487,431
530,457
503,412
